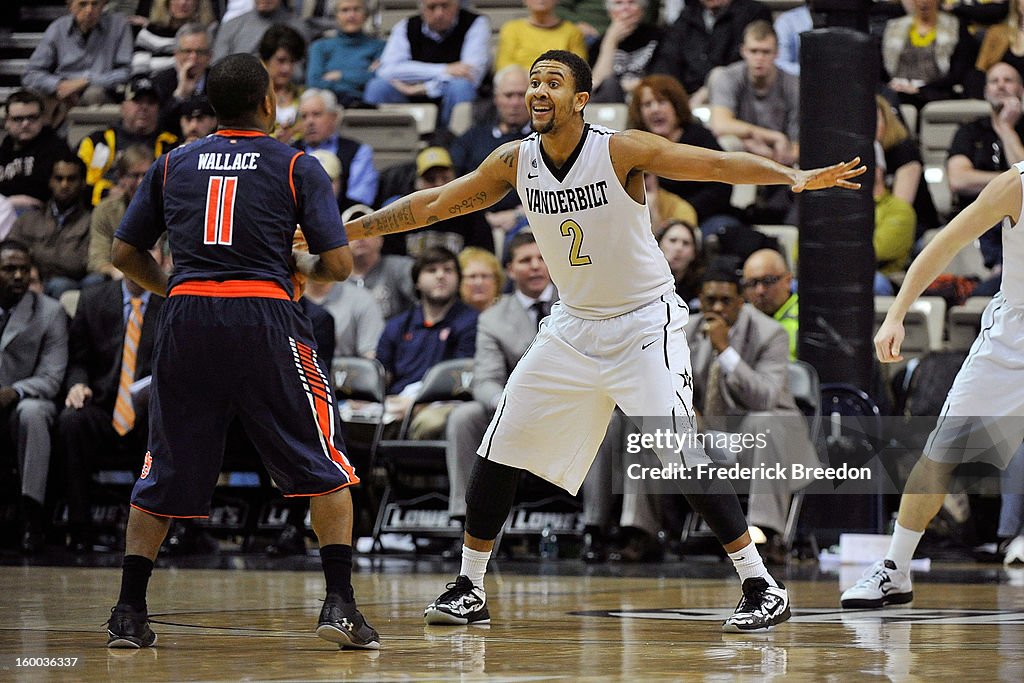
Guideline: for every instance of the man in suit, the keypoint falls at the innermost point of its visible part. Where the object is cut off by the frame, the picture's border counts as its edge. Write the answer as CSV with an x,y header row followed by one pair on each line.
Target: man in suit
x,y
504,332
740,358
87,427
33,358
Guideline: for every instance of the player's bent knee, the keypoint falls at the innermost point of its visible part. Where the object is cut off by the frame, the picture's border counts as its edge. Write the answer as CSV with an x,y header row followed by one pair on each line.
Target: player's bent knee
x,y
492,487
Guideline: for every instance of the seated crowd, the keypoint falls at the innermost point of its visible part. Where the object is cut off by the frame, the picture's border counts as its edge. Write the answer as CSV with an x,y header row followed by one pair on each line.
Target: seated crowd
x,y
472,286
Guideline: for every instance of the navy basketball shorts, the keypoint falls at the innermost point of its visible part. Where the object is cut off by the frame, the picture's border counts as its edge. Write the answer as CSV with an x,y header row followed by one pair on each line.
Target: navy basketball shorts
x,y
217,358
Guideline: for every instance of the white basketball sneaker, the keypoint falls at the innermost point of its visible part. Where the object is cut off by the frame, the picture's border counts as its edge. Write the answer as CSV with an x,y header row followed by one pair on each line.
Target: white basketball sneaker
x,y
882,584
1014,551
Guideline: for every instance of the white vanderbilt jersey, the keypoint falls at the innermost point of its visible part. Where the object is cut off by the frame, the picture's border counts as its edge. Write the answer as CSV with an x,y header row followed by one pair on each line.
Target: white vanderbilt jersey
x,y
596,240
1013,254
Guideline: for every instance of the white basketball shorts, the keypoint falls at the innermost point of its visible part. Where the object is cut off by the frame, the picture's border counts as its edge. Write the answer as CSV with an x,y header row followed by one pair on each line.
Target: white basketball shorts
x,y
982,419
556,406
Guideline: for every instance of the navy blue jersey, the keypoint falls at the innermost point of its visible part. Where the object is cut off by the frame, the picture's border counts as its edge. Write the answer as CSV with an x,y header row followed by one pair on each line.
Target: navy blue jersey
x,y
230,204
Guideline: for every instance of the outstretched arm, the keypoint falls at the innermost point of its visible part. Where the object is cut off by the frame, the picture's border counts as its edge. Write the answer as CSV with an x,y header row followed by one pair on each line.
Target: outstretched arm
x,y
1001,198
477,190
635,150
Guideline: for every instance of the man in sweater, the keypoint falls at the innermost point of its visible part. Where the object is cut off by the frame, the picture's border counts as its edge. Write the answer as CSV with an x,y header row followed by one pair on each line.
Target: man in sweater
x,y
439,55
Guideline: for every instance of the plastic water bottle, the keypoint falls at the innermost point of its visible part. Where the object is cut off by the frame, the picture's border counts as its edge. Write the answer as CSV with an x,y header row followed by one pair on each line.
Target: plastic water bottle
x,y
548,544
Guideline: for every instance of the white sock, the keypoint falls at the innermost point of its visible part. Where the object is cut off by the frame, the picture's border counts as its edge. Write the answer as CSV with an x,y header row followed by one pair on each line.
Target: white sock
x,y
474,565
749,565
901,548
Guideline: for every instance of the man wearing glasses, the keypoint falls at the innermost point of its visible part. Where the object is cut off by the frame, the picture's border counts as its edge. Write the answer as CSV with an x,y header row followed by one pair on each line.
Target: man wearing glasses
x,y
187,78
740,359
28,152
767,285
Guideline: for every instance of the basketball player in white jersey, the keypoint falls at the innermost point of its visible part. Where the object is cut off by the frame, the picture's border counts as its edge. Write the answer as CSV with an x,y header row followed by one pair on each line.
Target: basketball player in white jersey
x,y
983,417
615,337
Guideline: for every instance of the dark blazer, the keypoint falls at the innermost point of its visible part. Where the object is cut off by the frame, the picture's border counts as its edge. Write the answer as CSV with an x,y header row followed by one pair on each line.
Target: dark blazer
x,y
97,340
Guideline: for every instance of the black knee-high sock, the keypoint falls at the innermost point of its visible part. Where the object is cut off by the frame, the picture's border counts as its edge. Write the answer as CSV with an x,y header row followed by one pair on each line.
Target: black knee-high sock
x,y
135,573
492,488
721,509
337,563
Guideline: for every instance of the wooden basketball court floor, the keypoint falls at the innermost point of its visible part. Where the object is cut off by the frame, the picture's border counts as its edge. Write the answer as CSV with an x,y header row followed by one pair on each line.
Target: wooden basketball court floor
x,y
550,621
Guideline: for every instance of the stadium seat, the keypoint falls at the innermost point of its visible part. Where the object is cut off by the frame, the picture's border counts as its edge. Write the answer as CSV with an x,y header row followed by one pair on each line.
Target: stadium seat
x,y
84,120
965,322
461,119
939,123
967,262
610,114
924,323
416,467
425,114
394,136
788,236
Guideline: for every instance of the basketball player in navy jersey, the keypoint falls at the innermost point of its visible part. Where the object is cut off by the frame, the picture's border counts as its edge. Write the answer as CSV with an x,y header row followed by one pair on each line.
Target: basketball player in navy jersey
x,y
616,336
232,342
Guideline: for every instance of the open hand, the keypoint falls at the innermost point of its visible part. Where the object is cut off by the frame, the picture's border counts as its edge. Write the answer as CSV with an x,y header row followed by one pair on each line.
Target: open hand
x,y
831,176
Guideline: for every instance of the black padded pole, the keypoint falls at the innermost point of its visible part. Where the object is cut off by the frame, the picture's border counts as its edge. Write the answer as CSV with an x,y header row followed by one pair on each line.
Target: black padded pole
x,y
838,73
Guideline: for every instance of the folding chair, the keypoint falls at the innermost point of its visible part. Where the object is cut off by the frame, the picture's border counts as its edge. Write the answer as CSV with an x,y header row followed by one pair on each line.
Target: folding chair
x,y
418,465
806,390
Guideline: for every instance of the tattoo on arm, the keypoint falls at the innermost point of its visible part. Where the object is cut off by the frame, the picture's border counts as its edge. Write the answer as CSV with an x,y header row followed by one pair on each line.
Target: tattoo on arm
x,y
432,219
508,158
468,204
389,219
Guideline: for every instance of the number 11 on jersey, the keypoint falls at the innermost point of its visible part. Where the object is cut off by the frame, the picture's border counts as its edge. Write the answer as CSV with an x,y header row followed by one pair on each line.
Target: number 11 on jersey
x,y
220,209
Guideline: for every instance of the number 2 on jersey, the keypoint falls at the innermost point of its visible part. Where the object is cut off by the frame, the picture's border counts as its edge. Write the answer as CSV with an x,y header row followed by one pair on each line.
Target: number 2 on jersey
x,y
571,228
220,209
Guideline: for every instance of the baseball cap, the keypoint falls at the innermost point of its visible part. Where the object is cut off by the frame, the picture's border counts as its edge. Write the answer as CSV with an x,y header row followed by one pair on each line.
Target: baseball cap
x,y
433,157
195,106
138,86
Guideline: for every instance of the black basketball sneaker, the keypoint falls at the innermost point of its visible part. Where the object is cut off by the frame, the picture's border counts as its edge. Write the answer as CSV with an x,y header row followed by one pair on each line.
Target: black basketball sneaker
x,y
341,623
129,628
461,603
761,607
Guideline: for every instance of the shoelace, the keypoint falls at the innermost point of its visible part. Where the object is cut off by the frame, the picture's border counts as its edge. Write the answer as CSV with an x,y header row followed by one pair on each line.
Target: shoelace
x,y
748,603
873,575
451,590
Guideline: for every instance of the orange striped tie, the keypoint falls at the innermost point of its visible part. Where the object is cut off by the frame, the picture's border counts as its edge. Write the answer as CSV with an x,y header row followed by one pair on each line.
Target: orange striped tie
x,y
124,411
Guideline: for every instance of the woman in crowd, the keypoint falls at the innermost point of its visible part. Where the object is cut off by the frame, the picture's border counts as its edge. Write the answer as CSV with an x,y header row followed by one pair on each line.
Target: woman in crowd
x,y
927,54
281,49
660,106
680,242
345,63
624,52
154,45
522,40
905,170
482,278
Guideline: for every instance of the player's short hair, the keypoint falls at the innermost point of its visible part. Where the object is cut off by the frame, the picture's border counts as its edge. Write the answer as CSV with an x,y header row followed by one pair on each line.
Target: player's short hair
x,y
520,239
282,36
578,67
432,256
725,268
236,85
